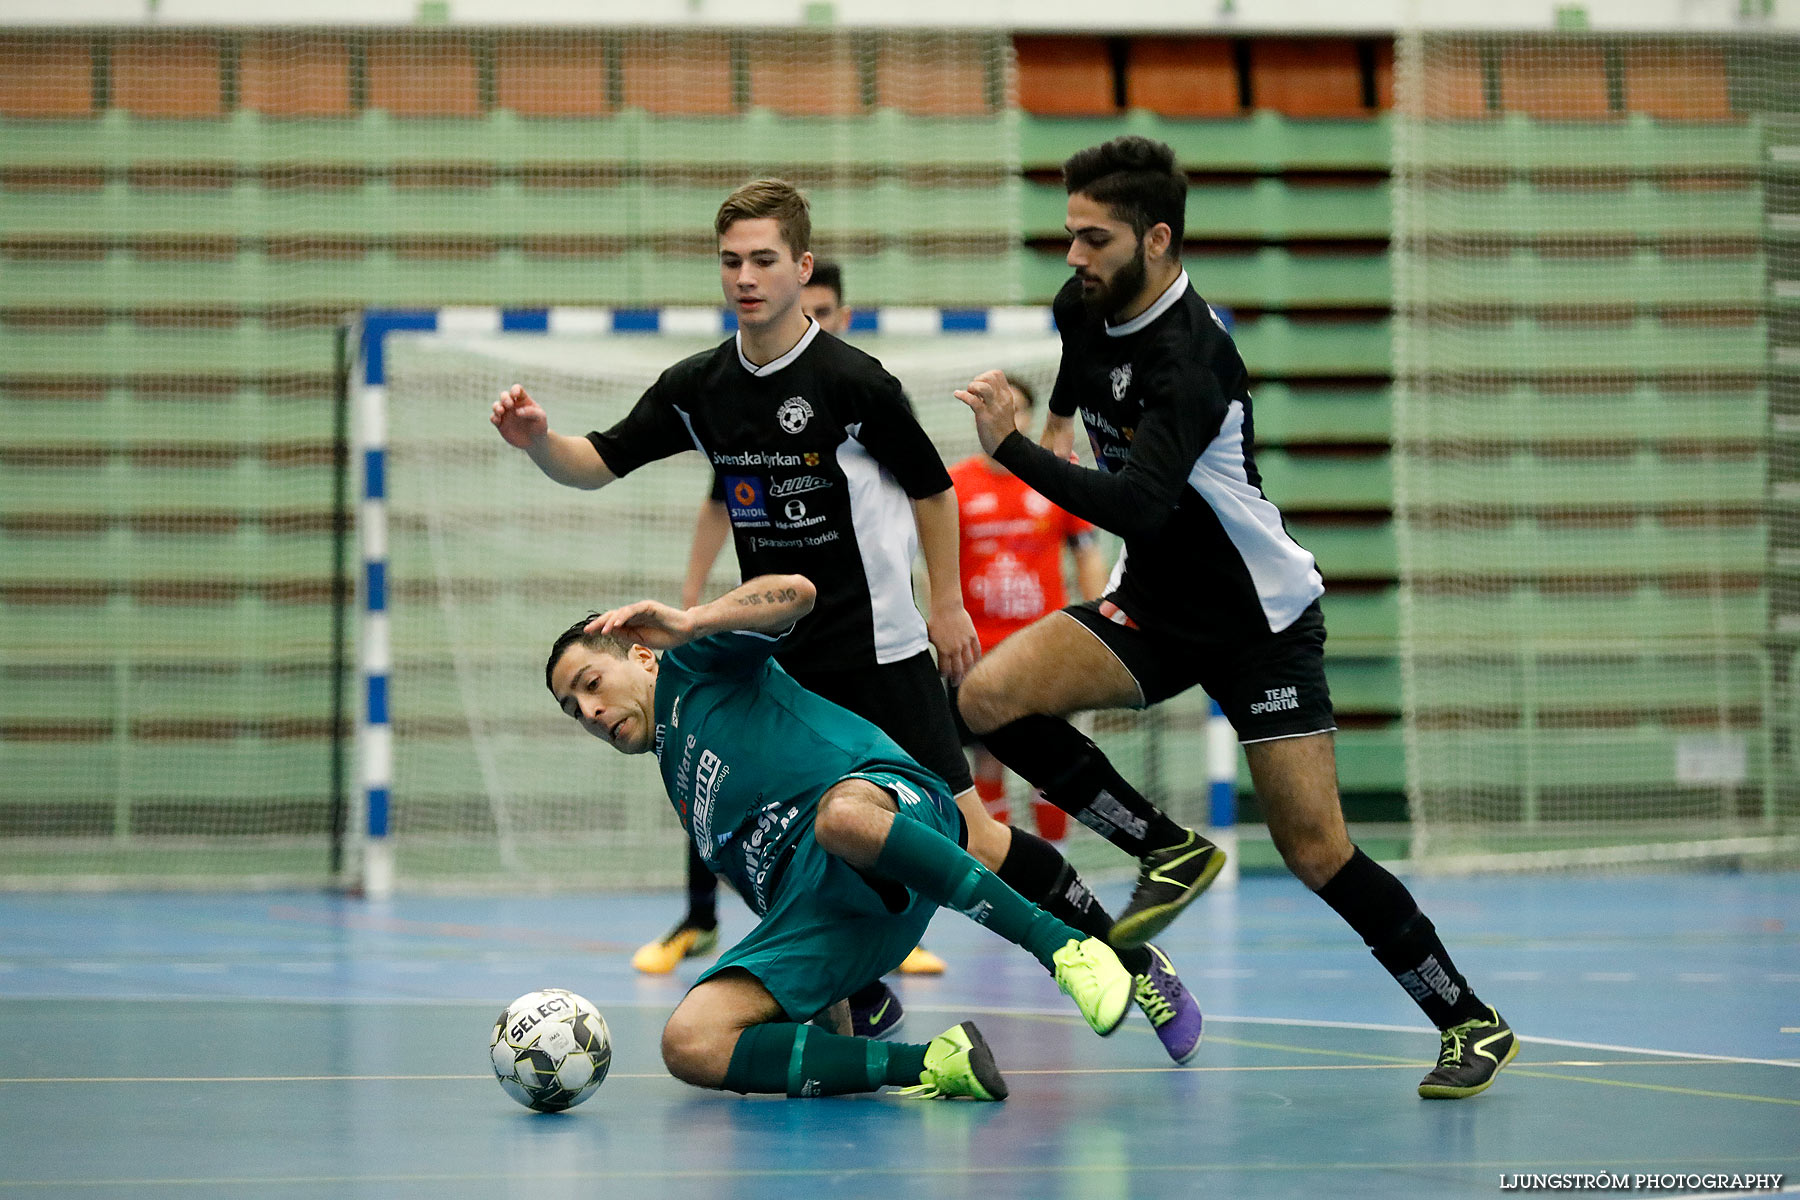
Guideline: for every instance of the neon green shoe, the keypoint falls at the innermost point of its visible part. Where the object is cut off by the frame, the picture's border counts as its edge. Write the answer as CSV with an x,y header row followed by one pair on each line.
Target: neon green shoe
x,y
1470,1056
959,1063
1090,974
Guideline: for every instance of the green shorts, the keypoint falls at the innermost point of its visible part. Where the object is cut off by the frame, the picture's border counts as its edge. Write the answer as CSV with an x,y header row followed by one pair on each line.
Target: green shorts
x,y
828,932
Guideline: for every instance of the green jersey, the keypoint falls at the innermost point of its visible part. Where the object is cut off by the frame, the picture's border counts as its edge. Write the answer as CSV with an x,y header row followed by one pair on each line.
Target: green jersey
x,y
745,754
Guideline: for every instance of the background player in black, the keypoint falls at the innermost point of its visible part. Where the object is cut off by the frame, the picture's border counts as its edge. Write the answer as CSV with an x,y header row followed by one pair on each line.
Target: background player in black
x,y
822,299
1210,590
826,471
697,932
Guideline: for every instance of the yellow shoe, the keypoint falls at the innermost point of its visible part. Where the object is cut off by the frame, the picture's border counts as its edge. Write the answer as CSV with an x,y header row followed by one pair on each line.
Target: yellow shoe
x,y
922,962
684,941
959,1064
1090,974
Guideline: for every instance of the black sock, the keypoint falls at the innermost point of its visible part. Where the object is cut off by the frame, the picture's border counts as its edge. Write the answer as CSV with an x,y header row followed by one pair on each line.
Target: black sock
x,y
1074,775
1037,871
868,996
1384,913
702,892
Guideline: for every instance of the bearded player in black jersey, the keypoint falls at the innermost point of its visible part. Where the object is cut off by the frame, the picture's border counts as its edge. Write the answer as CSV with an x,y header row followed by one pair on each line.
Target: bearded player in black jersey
x,y
1210,590
828,474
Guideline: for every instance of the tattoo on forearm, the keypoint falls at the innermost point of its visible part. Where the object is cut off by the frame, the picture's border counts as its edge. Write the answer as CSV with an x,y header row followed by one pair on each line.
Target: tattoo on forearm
x,y
773,596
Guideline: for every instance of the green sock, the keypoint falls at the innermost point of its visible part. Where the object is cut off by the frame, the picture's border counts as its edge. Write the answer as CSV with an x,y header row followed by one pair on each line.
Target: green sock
x,y
802,1060
940,870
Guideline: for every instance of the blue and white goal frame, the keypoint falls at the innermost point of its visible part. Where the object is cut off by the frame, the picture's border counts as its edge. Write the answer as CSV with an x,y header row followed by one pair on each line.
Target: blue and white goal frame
x,y
374,656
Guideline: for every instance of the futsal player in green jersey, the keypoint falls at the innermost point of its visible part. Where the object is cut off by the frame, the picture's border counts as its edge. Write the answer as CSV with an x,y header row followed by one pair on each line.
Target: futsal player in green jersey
x,y
841,843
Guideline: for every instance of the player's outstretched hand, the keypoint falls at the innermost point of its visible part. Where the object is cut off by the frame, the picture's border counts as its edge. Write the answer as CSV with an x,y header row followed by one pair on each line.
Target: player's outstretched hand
x,y
990,397
519,418
648,623
952,635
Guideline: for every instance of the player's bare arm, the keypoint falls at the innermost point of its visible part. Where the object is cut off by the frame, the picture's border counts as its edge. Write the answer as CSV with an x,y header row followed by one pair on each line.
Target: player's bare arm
x,y
1090,568
570,461
1059,435
765,604
947,622
712,526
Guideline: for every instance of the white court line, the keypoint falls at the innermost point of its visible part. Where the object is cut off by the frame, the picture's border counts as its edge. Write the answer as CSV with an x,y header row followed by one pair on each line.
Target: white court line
x,y
966,1009
664,1075
1227,1019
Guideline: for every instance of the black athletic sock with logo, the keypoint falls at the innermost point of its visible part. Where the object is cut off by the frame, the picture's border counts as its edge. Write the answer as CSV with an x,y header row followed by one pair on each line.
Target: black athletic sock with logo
x,y
1063,763
1403,939
702,892
1037,871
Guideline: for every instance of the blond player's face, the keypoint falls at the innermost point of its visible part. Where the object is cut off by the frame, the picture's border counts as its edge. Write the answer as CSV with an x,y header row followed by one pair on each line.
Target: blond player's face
x,y
821,304
759,273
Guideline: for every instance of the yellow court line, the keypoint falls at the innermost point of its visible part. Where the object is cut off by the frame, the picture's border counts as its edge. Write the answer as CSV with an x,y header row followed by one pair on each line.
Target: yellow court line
x,y
1292,1049
1656,1087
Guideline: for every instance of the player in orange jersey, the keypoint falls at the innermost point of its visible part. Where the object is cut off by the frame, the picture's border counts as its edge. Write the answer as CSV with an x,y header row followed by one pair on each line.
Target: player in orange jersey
x,y
1012,573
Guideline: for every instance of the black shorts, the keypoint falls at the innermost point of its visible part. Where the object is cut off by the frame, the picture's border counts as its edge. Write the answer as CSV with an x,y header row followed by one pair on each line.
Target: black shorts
x,y
1269,685
906,701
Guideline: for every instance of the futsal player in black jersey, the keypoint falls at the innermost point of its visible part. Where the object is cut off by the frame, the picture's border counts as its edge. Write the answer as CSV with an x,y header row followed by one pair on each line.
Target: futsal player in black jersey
x,y
1210,590
828,474
697,932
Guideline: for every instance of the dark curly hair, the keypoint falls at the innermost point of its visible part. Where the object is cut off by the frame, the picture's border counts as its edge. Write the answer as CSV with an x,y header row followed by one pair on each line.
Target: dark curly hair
x,y
606,643
1136,179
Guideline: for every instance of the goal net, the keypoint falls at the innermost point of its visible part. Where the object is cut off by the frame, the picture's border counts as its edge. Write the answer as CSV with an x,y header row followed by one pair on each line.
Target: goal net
x,y
1595,353
489,561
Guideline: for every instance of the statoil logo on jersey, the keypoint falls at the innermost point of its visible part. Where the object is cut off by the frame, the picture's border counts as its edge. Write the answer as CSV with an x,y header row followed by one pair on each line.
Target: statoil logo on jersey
x,y
744,505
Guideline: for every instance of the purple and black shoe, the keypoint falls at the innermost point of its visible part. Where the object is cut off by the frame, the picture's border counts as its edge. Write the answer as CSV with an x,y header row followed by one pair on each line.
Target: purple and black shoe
x,y
1172,1009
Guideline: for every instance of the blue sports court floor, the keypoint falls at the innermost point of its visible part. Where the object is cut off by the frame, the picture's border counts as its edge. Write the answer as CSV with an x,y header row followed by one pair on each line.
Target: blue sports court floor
x,y
304,1045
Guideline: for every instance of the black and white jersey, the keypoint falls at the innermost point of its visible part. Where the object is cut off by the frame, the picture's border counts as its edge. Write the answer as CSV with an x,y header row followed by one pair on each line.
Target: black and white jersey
x,y
1166,402
819,455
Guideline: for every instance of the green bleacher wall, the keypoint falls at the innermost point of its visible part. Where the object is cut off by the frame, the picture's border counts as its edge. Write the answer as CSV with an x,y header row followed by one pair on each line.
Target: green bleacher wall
x,y
181,230
177,245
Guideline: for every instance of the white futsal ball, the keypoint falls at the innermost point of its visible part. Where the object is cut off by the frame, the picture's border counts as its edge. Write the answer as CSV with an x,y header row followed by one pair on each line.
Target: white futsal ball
x,y
550,1049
